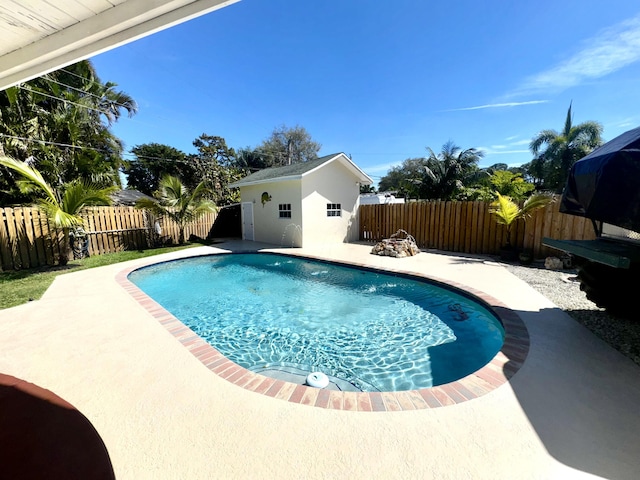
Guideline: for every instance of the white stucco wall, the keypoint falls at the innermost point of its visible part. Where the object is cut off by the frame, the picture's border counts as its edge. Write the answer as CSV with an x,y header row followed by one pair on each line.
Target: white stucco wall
x,y
333,183
268,226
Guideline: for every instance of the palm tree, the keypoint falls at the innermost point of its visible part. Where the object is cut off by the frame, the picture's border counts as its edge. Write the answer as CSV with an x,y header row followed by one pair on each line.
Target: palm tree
x,y
562,150
174,201
447,171
60,123
507,212
61,206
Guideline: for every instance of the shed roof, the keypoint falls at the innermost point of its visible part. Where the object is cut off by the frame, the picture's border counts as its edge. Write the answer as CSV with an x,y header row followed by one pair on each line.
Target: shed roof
x,y
127,197
298,170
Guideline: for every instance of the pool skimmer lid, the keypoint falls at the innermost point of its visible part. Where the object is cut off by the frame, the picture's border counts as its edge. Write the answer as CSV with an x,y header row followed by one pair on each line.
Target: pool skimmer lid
x,y
317,380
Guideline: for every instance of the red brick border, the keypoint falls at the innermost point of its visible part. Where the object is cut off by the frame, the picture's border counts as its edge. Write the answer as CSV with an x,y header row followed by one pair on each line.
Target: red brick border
x,y
497,372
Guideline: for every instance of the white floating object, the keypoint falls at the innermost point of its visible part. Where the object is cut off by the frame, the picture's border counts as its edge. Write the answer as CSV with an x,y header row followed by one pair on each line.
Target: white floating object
x,y
317,380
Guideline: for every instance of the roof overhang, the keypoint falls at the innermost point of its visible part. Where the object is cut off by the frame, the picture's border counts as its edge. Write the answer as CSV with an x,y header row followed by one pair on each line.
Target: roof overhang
x,y
40,36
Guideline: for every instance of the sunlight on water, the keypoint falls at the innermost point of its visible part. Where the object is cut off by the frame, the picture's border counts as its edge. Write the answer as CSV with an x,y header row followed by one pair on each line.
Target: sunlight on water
x,y
373,330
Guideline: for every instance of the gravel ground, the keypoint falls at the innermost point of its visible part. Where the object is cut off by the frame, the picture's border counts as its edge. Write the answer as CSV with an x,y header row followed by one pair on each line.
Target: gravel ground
x,y
563,289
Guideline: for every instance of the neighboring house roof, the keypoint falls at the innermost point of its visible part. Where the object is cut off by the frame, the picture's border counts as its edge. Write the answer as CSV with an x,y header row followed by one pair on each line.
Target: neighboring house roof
x,y
127,197
297,171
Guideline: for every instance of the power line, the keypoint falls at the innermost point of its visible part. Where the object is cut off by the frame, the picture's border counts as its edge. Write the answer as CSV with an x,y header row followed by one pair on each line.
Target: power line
x,y
57,144
62,99
123,154
81,91
74,74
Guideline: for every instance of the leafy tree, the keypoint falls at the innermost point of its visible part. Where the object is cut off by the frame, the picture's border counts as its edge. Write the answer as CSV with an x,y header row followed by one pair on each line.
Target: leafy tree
x,y
506,212
251,160
551,165
61,206
289,145
152,162
511,184
60,123
448,171
367,189
175,201
406,178
215,148
214,165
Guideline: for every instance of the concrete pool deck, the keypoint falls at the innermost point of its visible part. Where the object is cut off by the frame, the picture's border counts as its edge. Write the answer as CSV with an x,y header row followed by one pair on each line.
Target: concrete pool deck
x,y
569,412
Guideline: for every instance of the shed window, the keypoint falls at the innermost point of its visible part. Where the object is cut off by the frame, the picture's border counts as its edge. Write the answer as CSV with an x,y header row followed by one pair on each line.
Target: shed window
x,y
334,210
284,210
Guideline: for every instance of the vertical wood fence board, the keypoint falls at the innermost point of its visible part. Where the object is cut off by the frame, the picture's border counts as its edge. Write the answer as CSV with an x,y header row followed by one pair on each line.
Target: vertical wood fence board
x,y
486,234
446,222
23,239
476,226
117,225
30,237
467,208
6,257
431,232
39,236
439,226
111,241
13,240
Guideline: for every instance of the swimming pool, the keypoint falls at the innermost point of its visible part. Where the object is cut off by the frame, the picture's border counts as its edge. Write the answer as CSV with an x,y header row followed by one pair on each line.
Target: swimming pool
x,y
376,331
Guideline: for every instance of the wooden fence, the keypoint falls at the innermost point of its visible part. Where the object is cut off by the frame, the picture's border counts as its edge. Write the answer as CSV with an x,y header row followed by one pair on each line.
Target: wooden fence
x,y
27,240
468,227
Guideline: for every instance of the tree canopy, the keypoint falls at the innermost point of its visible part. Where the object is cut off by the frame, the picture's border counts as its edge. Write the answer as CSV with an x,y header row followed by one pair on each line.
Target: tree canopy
x,y
152,161
556,152
60,124
288,145
439,176
214,165
175,201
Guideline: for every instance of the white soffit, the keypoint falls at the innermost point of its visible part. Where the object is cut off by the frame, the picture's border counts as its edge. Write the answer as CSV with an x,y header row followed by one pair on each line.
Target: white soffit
x,y
39,36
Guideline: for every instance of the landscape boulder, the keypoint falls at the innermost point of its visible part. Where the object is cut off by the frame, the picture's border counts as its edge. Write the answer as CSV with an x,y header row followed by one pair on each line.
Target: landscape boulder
x,y
553,263
399,245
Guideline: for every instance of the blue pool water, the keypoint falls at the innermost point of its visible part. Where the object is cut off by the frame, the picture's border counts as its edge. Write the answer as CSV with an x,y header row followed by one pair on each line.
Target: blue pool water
x,y
376,331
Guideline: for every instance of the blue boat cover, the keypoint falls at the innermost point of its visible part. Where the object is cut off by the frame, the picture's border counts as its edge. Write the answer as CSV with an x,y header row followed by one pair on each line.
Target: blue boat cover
x,y
605,185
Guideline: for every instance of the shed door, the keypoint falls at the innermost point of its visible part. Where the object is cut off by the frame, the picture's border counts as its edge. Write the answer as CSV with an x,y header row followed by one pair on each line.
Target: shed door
x,y
247,221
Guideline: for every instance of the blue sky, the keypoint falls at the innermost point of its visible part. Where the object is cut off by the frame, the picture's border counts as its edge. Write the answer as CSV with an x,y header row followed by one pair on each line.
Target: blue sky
x,y
383,80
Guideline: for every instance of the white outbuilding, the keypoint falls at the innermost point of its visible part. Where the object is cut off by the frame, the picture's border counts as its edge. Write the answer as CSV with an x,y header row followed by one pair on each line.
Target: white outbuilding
x,y
314,202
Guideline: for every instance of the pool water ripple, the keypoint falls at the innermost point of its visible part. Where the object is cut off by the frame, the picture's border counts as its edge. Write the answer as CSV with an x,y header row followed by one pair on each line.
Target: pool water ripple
x,y
377,331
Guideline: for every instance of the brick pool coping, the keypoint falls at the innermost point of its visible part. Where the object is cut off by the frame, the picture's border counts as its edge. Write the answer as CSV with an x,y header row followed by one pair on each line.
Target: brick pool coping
x,y
498,371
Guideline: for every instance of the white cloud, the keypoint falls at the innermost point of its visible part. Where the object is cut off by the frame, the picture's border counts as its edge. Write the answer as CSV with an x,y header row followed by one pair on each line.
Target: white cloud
x,y
383,168
493,151
497,105
610,50
520,142
627,122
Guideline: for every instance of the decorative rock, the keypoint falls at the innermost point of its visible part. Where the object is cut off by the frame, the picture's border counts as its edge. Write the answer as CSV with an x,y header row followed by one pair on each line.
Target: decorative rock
x,y
553,263
399,245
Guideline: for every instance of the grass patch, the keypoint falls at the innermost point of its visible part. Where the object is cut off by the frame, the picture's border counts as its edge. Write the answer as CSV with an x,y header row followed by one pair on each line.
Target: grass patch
x,y
22,286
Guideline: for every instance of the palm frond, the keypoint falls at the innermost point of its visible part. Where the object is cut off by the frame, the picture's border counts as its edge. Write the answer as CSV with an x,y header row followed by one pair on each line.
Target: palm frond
x,y
30,176
568,122
57,216
544,137
506,211
80,194
534,202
